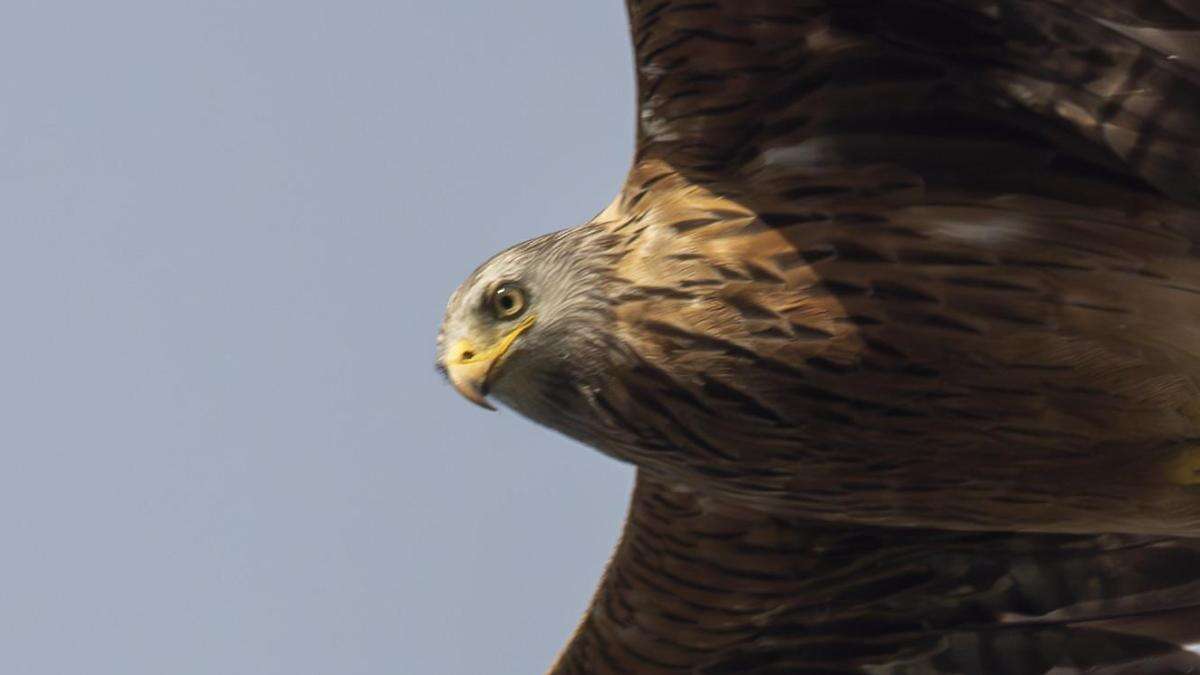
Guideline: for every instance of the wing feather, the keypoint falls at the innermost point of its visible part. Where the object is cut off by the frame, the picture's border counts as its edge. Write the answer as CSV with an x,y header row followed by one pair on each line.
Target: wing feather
x,y
959,91
697,585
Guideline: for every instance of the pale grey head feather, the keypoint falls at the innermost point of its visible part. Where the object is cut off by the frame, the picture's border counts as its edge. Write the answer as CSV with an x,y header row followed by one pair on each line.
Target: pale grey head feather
x,y
568,285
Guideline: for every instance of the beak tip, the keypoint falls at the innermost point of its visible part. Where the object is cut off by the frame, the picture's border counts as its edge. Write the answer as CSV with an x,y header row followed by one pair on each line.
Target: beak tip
x,y
471,385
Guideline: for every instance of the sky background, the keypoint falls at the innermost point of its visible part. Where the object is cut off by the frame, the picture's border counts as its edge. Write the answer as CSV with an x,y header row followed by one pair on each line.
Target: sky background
x,y
227,234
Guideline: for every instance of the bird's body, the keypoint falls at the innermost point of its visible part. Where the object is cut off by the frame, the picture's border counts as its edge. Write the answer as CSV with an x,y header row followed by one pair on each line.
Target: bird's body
x,y
1012,362
929,264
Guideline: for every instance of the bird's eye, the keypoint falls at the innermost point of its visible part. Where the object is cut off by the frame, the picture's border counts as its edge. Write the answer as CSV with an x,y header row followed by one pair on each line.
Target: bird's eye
x,y
508,301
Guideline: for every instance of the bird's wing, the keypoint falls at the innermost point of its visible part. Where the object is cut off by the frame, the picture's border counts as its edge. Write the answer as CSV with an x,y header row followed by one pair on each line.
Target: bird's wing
x,y
952,90
697,586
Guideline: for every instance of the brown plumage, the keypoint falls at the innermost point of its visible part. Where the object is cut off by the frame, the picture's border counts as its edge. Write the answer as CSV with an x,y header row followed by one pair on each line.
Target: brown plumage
x,y
895,263
697,586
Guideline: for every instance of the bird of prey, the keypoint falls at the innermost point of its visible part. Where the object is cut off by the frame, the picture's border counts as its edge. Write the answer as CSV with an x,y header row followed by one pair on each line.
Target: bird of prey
x,y
897,314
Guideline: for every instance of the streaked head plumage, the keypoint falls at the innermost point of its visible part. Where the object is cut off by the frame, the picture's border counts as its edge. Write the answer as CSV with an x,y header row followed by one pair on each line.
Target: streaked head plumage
x,y
524,315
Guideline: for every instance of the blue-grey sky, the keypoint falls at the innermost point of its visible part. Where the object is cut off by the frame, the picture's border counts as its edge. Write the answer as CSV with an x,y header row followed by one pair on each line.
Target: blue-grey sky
x,y
227,233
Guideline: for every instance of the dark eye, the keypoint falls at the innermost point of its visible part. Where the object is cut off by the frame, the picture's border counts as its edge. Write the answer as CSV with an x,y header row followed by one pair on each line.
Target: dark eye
x,y
508,301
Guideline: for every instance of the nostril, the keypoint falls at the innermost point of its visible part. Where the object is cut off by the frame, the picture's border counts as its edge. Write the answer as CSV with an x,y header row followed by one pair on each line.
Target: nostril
x,y
467,355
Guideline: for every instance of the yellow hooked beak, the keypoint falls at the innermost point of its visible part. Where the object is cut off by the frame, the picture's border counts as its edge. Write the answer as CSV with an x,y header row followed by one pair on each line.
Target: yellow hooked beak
x,y
469,369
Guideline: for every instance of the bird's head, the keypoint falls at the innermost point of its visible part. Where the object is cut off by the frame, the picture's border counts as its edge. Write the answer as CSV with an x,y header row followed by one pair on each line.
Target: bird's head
x,y
525,320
